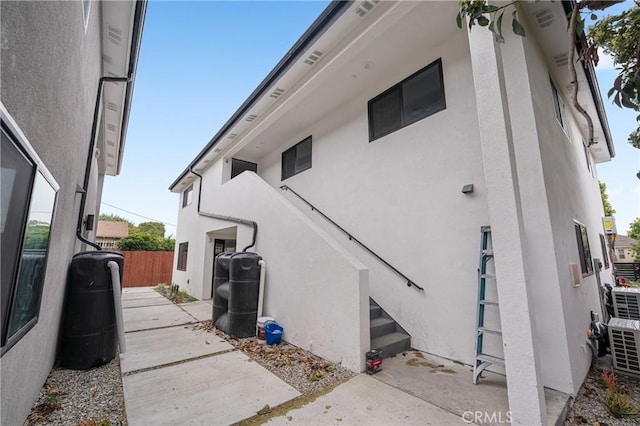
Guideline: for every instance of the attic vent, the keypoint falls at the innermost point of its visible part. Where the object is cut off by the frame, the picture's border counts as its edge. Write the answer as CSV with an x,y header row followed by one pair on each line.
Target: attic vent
x,y
544,18
114,35
366,6
110,164
111,106
111,143
232,136
110,155
217,150
314,57
251,118
111,127
107,59
277,93
561,60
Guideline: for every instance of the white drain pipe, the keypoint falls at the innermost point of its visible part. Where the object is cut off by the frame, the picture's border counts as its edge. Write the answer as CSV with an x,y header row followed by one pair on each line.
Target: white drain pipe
x,y
117,303
263,269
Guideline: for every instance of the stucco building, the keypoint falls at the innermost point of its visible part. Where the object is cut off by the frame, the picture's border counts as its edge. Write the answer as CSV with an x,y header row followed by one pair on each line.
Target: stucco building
x,y
409,133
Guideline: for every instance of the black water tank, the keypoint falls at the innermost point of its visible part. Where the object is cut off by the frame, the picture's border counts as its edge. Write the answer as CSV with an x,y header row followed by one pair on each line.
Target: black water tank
x,y
236,290
89,332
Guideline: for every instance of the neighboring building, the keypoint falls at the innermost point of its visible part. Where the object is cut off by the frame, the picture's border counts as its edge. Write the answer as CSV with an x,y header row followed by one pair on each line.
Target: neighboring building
x,y
63,131
110,232
625,249
382,116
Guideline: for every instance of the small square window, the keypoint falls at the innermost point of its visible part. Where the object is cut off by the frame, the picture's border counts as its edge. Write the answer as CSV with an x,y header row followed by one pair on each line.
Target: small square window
x,y
586,263
183,251
239,166
296,159
187,196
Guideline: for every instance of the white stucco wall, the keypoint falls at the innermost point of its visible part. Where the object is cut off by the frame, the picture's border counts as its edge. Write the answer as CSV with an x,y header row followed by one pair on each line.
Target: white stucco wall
x,y
314,288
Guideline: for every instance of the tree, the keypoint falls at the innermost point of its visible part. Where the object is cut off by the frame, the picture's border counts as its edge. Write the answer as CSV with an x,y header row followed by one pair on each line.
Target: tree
x,y
617,35
153,228
606,205
634,229
115,218
140,240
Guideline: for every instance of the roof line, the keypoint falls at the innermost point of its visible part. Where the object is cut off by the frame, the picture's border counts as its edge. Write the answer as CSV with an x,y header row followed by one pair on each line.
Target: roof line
x,y
332,12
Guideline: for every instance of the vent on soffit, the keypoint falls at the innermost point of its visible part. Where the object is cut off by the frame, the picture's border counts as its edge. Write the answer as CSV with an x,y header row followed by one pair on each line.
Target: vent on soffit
x,y
111,127
110,155
217,150
111,143
365,7
251,118
232,136
544,18
561,60
314,57
114,35
112,107
276,93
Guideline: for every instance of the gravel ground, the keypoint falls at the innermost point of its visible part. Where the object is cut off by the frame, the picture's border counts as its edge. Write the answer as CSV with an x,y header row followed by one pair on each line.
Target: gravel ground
x,y
84,398
589,406
95,397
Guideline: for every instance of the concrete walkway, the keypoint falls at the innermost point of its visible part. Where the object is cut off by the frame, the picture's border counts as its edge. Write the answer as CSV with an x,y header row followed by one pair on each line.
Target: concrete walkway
x,y
177,374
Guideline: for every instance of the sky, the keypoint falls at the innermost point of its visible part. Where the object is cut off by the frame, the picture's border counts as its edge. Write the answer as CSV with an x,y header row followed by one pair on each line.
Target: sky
x,y
200,60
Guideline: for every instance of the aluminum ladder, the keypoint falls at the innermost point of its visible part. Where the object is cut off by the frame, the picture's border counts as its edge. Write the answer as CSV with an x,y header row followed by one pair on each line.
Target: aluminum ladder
x,y
483,360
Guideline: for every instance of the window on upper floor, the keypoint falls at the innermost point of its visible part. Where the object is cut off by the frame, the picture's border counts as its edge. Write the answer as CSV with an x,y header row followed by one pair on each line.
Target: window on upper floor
x,y
586,263
28,197
605,252
558,105
239,166
414,98
187,196
296,159
183,252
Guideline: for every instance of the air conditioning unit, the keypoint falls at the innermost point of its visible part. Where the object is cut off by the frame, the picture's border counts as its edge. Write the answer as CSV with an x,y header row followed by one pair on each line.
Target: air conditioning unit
x,y
624,336
626,302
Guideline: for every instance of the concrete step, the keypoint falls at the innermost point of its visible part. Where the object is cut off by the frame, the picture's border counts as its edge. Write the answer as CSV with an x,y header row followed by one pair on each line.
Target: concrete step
x,y
381,326
391,344
374,311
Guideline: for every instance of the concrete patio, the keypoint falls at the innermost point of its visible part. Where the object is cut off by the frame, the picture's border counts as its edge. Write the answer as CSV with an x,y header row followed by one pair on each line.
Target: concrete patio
x,y
177,374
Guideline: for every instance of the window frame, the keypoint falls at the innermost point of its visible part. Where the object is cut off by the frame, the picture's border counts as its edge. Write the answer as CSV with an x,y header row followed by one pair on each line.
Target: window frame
x,y
558,106
183,256
187,196
398,87
584,253
605,251
297,167
38,169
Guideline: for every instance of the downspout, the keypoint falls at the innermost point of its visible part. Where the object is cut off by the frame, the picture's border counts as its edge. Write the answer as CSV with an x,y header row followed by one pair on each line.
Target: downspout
x,y
228,218
92,146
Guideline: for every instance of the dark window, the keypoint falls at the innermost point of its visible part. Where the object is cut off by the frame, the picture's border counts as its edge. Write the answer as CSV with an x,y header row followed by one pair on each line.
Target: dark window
x,y
558,105
416,97
28,201
296,159
586,264
187,196
239,166
605,252
183,251
586,157
621,254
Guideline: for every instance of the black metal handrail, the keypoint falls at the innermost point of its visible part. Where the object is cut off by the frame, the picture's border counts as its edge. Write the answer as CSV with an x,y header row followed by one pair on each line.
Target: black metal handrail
x,y
410,283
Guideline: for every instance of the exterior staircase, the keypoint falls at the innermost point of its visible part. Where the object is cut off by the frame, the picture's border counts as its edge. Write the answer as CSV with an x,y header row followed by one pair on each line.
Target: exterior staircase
x,y
386,335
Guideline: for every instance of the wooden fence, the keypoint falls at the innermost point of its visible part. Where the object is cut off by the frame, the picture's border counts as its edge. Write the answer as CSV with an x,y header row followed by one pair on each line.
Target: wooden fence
x,y
147,268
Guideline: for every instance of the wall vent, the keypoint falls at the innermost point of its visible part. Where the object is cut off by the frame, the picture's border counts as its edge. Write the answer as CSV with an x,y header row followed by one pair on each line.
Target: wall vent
x,y
232,136
561,60
110,142
111,106
544,17
626,302
276,93
251,118
365,7
111,127
624,336
314,57
114,35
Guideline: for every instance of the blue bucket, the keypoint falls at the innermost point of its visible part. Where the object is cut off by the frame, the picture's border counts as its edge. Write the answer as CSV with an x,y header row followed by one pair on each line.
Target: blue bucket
x,y
273,333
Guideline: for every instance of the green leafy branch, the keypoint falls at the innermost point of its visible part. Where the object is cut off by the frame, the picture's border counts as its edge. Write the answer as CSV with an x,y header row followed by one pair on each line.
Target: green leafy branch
x,y
477,10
